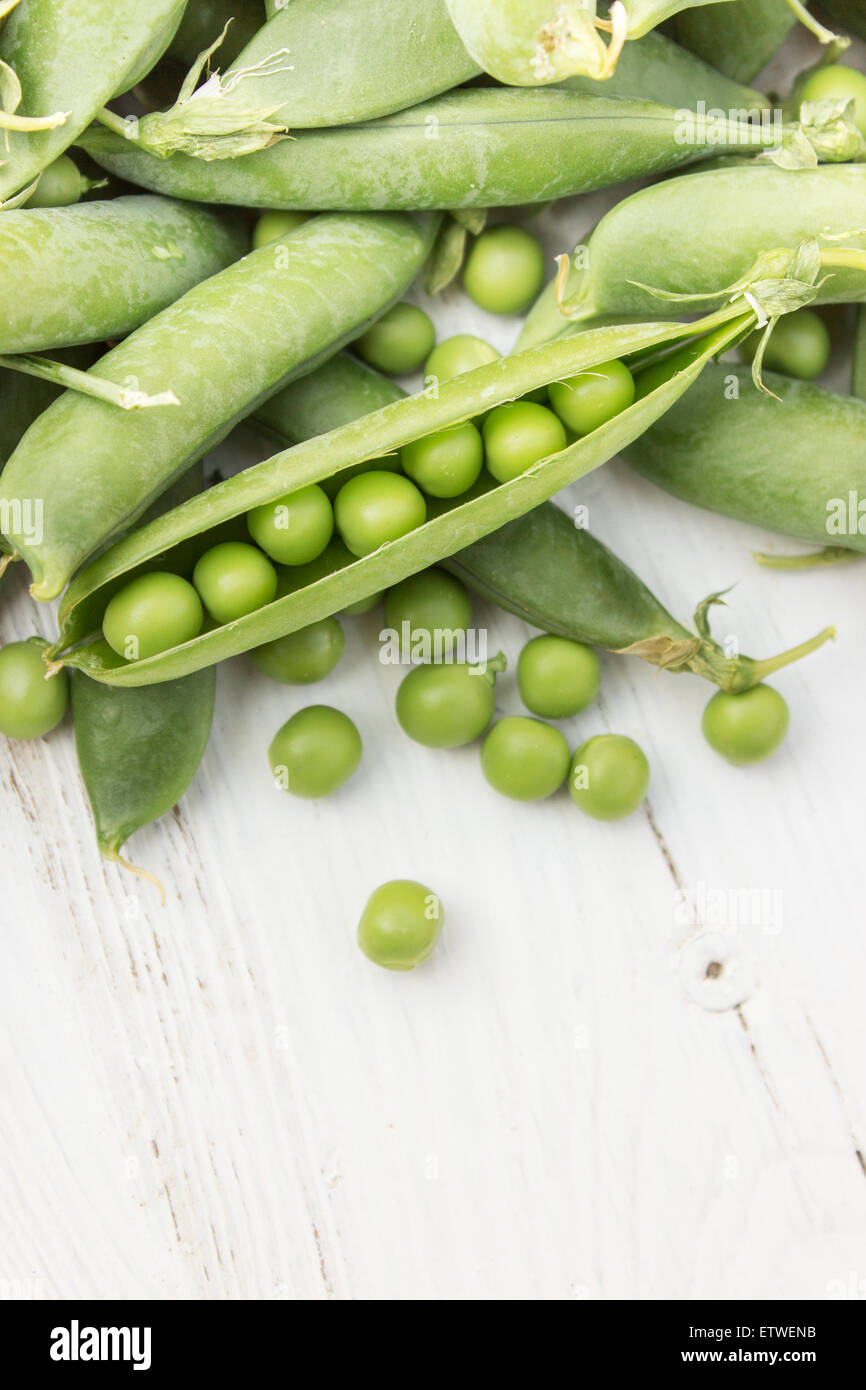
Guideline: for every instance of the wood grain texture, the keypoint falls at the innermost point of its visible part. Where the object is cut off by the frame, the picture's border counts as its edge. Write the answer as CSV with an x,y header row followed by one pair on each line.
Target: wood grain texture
x,y
224,1099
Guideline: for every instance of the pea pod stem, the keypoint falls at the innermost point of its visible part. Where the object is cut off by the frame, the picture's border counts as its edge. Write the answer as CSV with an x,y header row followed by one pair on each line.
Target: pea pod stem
x,y
71,379
826,558
374,436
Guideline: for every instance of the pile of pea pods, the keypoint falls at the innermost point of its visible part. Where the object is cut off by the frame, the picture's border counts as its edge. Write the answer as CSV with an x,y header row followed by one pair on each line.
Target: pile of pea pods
x,y
210,214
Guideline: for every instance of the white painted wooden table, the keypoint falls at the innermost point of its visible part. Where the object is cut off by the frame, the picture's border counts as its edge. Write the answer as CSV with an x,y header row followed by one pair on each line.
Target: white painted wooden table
x,y
223,1099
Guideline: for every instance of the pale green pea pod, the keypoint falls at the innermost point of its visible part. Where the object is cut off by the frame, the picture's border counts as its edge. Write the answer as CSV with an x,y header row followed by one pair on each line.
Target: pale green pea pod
x,y
98,270
60,62
381,433
315,63
479,147
698,234
794,462
222,349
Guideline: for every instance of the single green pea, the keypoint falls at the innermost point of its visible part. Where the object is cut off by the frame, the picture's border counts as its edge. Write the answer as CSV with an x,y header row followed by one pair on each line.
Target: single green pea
x,y
32,703
838,83
60,185
798,346
150,614
557,677
609,777
234,579
517,435
462,353
432,609
524,758
448,705
400,924
399,341
315,752
748,727
504,270
271,226
446,463
590,399
295,528
302,657
374,508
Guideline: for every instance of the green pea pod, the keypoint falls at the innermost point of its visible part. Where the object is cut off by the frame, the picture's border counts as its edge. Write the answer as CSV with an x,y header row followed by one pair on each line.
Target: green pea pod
x,y
64,59
643,15
477,147
315,63
794,462
700,233
383,432
541,566
737,39
222,349
138,751
98,270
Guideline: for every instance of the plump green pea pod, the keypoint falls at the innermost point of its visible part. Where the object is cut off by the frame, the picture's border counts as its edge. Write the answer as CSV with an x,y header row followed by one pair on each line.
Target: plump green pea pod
x,y
383,432
315,63
479,147
138,751
699,233
643,15
655,68
222,349
68,58
795,465
541,566
98,270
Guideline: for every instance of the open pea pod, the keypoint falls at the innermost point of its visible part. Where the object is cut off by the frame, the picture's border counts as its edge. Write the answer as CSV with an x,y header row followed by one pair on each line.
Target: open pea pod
x,y
541,566
375,435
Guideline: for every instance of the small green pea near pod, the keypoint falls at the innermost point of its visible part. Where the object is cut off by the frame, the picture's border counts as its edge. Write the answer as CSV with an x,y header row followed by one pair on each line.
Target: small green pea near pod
x,y
400,924
517,435
587,401
295,528
798,346
746,728
430,610
525,759
233,579
462,353
31,702
609,777
557,677
374,508
315,752
272,225
150,614
447,463
302,657
398,342
448,705
504,270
